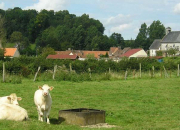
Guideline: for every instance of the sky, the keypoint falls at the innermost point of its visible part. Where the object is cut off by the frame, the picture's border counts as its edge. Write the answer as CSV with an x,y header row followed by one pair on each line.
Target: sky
x,y
119,16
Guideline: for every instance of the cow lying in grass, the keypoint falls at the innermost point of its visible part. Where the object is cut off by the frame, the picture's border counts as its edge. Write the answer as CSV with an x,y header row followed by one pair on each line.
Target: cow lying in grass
x,y
43,101
12,112
11,99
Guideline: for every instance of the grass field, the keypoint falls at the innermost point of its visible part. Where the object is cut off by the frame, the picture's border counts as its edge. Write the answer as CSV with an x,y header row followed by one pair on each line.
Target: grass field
x,y
137,104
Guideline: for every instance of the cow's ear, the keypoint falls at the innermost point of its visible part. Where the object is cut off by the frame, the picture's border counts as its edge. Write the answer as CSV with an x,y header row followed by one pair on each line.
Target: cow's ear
x,y
51,88
9,98
40,88
19,98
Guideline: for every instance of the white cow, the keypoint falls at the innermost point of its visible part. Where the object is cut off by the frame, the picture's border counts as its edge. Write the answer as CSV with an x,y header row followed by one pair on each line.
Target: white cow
x,y
43,101
11,99
12,112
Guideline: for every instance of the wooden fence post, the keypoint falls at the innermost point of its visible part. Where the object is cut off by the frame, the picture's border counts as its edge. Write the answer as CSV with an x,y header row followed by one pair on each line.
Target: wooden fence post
x,y
70,67
126,74
89,72
178,71
134,73
55,68
140,70
37,73
166,74
3,72
153,71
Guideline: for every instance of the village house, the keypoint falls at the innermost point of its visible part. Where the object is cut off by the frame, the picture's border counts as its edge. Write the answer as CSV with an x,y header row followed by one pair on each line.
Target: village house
x,y
135,53
170,40
11,52
77,54
115,53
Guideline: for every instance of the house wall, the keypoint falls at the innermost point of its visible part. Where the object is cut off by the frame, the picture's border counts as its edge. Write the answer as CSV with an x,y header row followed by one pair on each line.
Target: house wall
x,y
16,54
140,53
167,46
152,52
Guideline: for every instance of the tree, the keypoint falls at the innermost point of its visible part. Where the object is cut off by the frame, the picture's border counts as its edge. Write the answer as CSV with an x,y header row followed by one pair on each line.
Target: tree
x,y
159,53
92,31
141,39
47,51
155,31
119,40
172,52
21,41
2,52
129,43
146,36
16,37
2,32
79,36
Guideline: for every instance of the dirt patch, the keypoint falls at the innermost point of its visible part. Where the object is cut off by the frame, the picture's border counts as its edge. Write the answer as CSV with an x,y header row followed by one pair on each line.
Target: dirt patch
x,y
100,125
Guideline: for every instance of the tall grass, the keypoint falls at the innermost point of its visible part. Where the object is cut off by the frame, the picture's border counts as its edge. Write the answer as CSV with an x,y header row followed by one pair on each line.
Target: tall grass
x,y
151,103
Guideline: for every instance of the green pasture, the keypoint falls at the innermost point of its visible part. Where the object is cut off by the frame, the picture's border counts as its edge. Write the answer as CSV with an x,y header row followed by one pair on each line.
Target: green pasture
x,y
132,104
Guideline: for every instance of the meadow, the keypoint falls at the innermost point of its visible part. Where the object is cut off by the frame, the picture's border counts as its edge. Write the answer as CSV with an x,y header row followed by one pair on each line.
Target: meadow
x,y
137,104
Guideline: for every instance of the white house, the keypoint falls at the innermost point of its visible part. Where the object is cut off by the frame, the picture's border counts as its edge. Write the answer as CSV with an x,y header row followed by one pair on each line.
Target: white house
x,y
170,40
139,52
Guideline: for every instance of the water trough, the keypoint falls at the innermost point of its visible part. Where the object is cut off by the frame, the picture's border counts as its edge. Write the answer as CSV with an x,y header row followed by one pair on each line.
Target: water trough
x,y
82,116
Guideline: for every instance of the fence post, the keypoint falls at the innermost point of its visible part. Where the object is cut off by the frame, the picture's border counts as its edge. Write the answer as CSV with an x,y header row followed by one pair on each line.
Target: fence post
x,y
134,73
55,68
3,72
37,73
166,74
153,71
89,72
178,71
126,74
140,70
70,67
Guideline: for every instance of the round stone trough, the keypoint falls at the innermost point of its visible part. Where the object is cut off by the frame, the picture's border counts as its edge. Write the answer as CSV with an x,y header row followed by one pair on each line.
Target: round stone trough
x,y
82,116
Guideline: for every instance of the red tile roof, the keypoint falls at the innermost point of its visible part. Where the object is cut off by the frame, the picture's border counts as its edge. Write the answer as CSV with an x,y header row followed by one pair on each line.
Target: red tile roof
x,y
131,52
72,57
10,51
95,53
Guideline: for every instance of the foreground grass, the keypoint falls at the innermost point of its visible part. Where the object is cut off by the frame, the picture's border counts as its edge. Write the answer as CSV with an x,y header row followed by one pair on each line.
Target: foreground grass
x,y
129,104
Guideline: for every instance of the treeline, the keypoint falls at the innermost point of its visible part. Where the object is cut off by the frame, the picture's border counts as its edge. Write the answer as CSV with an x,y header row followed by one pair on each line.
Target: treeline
x,y
26,65
61,30
58,30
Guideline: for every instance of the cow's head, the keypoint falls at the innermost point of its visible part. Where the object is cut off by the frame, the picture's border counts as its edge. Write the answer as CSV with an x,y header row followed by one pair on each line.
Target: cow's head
x,y
14,99
45,88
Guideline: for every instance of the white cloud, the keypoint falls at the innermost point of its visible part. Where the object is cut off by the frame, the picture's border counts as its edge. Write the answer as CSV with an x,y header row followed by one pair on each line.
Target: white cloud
x,y
55,5
2,5
177,8
117,20
120,28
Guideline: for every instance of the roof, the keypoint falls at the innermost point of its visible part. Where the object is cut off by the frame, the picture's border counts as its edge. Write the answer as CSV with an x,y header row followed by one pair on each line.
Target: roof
x,y
125,49
172,37
10,51
131,52
95,53
156,44
115,50
72,57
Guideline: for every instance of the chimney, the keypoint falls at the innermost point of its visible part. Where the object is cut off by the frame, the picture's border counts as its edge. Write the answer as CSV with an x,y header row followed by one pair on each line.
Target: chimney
x,y
168,30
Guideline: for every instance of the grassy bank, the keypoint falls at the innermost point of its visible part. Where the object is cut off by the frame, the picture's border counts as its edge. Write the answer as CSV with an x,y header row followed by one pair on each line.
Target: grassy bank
x,y
129,104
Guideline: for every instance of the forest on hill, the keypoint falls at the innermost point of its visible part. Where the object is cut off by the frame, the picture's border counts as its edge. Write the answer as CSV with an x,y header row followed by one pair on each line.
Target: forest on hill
x,y
61,30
